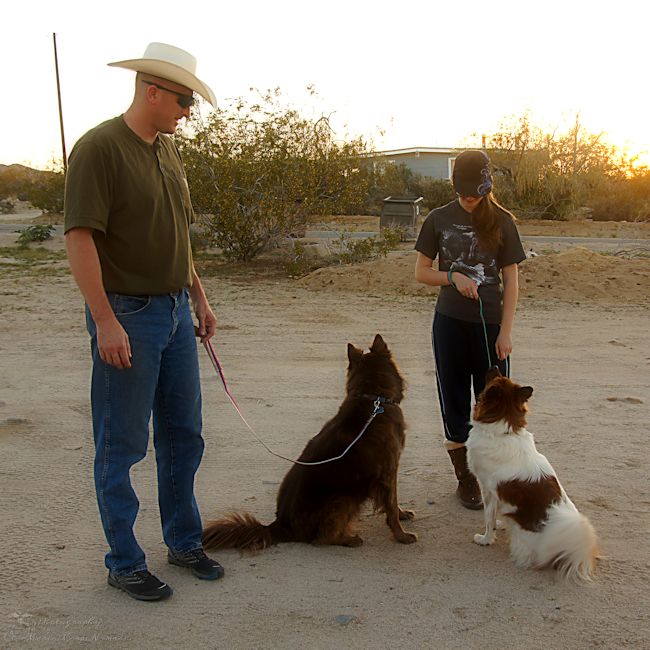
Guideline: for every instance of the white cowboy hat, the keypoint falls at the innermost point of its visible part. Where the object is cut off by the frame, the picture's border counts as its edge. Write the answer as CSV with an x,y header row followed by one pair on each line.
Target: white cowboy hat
x,y
172,63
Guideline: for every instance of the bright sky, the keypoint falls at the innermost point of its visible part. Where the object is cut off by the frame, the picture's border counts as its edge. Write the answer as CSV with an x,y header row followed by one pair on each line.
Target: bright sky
x,y
427,73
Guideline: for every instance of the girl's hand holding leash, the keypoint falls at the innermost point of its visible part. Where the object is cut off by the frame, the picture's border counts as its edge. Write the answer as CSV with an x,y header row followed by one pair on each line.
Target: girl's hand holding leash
x,y
469,289
463,285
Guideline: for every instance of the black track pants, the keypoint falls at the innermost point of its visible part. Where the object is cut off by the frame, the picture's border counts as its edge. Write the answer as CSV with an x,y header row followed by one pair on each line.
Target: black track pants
x,y
461,359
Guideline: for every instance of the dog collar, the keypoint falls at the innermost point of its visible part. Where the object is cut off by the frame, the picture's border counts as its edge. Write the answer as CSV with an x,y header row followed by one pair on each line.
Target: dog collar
x,y
378,398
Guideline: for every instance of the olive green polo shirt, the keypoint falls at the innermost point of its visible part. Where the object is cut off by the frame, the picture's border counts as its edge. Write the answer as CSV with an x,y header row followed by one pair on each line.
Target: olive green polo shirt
x,y
135,197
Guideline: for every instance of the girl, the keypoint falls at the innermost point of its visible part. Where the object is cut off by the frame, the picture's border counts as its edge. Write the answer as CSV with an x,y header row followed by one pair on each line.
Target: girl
x,y
478,248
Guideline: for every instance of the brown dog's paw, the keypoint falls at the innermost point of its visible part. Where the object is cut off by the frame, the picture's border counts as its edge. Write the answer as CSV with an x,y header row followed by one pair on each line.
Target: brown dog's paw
x,y
407,538
406,514
352,541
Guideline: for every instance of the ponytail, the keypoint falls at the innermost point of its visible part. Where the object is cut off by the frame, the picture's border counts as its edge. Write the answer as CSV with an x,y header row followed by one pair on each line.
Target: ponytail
x,y
486,221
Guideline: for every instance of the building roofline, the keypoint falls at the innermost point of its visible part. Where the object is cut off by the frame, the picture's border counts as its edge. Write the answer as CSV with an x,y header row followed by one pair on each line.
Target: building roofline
x,y
396,152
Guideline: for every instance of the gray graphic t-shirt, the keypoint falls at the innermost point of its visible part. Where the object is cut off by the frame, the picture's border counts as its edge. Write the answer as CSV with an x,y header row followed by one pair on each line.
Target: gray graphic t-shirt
x,y
447,233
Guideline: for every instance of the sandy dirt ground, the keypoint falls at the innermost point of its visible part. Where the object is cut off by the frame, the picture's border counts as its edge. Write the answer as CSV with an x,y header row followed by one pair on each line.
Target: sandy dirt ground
x,y
282,343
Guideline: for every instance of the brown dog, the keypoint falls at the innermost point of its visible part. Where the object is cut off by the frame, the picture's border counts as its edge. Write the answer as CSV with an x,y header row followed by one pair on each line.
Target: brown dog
x,y
319,504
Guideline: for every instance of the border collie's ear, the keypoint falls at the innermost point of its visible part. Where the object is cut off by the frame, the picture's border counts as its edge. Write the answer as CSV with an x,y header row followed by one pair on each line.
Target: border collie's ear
x,y
379,346
491,393
492,373
354,354
524,393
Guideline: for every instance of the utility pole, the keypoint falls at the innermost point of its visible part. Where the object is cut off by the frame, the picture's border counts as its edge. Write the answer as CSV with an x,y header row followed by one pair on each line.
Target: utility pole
x,y
58,90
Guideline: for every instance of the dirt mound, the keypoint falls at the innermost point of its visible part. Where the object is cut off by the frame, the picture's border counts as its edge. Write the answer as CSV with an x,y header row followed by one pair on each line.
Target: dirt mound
x,y
575,275
581,275
391,275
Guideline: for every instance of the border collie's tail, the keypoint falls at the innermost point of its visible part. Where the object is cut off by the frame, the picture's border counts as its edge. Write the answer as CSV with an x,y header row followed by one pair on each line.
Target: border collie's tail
x,y
241,531
569,544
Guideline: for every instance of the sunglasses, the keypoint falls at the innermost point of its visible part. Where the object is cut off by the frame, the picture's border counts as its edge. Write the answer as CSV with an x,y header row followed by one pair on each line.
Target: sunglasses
x,y
184,101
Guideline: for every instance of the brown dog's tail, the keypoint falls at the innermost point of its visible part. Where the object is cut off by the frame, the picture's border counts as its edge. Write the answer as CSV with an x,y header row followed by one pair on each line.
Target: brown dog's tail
x,y
241,531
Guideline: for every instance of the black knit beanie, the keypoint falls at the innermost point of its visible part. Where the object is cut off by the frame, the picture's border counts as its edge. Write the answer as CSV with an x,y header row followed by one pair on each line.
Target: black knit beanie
x,y
471,175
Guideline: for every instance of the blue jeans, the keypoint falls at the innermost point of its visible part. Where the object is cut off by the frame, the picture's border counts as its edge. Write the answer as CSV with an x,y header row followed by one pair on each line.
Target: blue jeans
x,y
163,379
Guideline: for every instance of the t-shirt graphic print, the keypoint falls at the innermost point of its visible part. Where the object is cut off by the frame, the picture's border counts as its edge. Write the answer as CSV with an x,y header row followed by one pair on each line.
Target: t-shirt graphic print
x,y
448,234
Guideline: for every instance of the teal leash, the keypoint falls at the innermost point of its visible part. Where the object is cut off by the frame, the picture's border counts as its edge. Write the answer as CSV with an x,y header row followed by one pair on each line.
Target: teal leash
x,y
487,344
480,309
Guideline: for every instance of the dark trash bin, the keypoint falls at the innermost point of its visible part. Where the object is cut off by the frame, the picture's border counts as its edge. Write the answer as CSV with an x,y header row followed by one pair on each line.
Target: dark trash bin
x,y
402,213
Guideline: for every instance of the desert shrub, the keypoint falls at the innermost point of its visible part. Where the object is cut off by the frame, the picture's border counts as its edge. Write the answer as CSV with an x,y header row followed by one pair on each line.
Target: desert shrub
x,y
610,208
623,199
343,250
7,206
637,193
298,262
198,239
392,237
13,181
257,170
42,188
354,251
552,175
382,178
47,191
38,233
434,191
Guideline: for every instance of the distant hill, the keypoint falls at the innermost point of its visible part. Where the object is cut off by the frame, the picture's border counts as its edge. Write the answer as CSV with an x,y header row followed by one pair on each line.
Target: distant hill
x,y
43,189
23,172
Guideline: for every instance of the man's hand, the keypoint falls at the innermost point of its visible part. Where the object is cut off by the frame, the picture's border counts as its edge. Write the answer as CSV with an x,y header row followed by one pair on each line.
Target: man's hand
x,y
113,343
207,319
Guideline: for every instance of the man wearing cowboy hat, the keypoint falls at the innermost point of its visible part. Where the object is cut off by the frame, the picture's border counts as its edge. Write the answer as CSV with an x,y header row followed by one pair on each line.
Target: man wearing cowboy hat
x,y
127,217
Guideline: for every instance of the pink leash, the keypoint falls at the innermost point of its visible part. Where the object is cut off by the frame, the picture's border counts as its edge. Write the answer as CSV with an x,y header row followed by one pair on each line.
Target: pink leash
x,y
217,366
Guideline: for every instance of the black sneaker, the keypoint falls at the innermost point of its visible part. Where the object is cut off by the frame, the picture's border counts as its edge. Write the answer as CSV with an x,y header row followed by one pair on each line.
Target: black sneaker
x,y
198,562
141,585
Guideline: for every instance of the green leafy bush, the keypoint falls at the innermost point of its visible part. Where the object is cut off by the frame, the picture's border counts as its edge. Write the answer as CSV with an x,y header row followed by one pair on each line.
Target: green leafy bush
x,y
36,233
46,193
555,175
7,206
258,170
299,263
343,250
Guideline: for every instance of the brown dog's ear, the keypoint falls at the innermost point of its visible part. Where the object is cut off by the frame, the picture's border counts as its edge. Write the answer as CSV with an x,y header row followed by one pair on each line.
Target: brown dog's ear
x,y
491,393
492,373
524,393
354,354
379,346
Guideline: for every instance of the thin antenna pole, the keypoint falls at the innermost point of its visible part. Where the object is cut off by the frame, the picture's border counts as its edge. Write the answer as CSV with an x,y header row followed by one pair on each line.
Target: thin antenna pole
x,y
58,90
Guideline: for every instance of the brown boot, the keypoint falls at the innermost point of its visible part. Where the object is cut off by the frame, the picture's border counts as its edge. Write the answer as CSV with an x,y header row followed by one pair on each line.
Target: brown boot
x,y
468,490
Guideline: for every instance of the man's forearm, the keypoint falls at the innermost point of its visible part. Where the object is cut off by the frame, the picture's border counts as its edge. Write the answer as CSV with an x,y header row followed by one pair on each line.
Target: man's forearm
x,y
196,290
86,270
